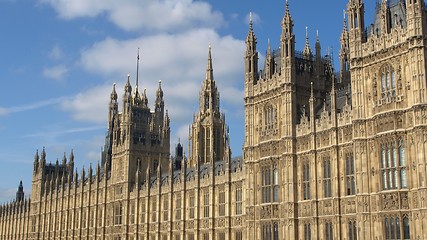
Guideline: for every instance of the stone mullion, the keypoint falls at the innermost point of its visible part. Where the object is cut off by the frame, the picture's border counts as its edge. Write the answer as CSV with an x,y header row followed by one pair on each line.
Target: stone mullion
x,y
2,221
96,214
68,200
88,210
43,231
55,214
27,220
74,199
61,214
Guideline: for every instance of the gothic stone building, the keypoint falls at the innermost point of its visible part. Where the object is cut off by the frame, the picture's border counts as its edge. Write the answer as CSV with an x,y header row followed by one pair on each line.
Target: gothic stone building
x,y
326,155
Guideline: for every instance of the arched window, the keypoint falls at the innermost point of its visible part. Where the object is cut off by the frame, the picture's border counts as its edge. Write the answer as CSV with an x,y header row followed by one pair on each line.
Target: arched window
x,y
388,81
327,183
329,233
406,232
269,184
269,114
349,174
352,230
307,231
394,229
275,185
393,165
306,181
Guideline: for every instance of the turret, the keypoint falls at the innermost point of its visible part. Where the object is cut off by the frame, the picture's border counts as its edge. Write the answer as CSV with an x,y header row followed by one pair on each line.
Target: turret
x,y
269,63
385,18
159,104
312,103
42,159
71,163
251,56
307,53
318,48
415,13
287,42
209,97
20,192
333,102
179,157
127,97
36,162
356,15
318,60
64,160
113,107
344,54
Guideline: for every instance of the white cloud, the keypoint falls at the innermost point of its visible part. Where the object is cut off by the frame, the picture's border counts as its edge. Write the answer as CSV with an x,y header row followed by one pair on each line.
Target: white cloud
x,y
171,15
7,194
90,105
4,111
255,18
31,106
55,53
179,60
56,72
170,57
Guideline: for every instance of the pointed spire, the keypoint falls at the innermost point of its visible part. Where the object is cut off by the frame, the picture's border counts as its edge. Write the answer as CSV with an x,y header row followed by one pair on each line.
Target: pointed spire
x,y
251,36
113,96
43,155
159,92
137,69
311,92
36,156
287,19
344,20
250,22
145,98
128,87
20,192
72,156
167,120
209,70
64,159
307,49
269,65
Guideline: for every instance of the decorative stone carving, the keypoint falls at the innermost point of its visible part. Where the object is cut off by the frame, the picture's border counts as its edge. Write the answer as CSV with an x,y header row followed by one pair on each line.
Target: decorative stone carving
x,y
204,223
390,201
404,200
190,224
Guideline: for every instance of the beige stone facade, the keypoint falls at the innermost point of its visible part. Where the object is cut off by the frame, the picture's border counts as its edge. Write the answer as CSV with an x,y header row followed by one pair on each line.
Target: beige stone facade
x,y
326,155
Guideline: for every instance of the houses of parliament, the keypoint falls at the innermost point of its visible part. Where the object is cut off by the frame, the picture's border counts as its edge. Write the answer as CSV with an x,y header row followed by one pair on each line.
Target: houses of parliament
x,y
326,155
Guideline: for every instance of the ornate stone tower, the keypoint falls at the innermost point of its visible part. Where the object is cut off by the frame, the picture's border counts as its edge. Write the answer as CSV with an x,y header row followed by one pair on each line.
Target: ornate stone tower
x,y
269,148
209,133
137,137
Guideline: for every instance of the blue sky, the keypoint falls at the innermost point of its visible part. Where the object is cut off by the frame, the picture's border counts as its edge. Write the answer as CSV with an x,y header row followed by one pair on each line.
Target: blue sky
x,y
59,59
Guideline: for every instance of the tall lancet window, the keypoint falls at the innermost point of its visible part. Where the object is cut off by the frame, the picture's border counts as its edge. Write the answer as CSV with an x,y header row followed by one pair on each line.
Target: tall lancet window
x,y
208,144
306,181
393,165
207,102
327,182
269,115
388,81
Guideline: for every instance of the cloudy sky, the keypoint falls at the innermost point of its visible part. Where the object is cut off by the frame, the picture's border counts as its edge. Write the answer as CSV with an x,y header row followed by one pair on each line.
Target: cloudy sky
x,y
60,58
